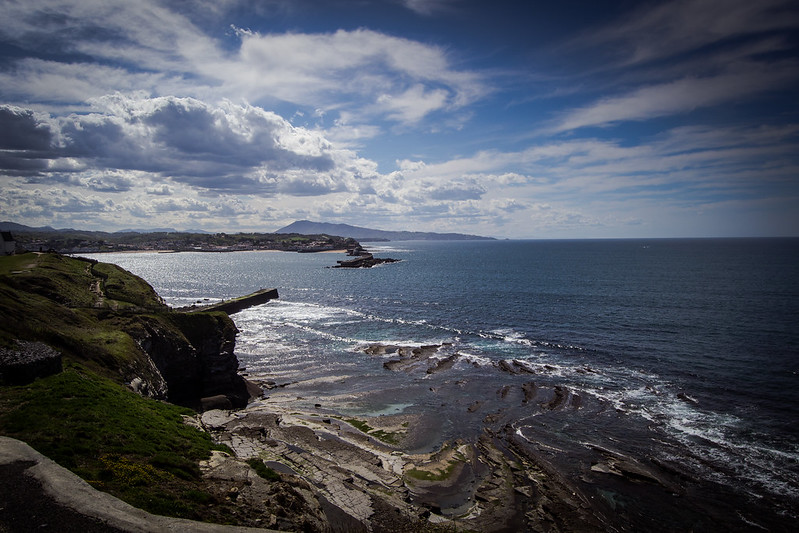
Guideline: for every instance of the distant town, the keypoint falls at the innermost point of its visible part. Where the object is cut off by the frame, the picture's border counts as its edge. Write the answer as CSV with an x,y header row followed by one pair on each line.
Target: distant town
x,y
77,242
300,236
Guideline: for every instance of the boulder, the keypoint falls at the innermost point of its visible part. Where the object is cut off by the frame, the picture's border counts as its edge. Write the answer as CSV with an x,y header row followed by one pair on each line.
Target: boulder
x,y
30,360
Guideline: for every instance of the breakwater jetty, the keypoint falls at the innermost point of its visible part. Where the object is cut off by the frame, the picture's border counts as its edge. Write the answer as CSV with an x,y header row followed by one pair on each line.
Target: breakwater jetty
x,y
237,304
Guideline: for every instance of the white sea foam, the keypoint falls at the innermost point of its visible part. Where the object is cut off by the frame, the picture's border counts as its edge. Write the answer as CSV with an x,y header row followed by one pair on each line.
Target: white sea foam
x,y
476,359
711,436
386,248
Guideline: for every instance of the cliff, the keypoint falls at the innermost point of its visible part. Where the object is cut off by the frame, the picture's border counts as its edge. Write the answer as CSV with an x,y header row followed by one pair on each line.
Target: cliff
x,y
57,308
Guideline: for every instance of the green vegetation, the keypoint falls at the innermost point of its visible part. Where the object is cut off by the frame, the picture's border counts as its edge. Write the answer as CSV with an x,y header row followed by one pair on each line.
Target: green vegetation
x,y
427,475
385,436
448,457
85,418
359,424
262,470
136,448
124,288
65,302
99,241
93,313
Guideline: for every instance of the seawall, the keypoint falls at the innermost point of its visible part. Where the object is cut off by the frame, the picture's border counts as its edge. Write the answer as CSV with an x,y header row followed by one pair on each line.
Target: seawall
x,y
239,304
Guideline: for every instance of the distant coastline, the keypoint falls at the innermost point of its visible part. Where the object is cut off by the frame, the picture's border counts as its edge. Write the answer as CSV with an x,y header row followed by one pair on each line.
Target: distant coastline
x,y
76,241
301,236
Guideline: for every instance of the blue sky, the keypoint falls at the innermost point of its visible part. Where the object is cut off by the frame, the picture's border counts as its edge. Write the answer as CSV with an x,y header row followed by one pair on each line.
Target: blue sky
x,y
511,119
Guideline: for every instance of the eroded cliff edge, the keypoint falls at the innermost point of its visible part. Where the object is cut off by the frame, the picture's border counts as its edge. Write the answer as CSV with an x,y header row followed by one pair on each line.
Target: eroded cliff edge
x,y
56,307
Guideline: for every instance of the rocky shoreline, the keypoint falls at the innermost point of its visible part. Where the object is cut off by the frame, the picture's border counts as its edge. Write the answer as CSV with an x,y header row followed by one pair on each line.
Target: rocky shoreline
x,y
508,462
339,472
334,472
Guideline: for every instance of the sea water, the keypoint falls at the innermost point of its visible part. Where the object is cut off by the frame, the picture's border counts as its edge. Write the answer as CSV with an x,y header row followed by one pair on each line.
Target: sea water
x,y
681,351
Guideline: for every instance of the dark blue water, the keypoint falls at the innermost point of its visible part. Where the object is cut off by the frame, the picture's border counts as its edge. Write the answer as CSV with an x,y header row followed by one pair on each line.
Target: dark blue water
x,y
685,351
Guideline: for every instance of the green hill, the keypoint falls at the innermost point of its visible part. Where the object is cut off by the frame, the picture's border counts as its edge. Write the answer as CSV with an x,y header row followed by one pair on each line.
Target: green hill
x,y
110,332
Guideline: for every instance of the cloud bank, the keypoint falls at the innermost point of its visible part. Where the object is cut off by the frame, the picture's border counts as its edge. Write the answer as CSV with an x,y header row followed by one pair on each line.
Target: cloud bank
x,y
673,118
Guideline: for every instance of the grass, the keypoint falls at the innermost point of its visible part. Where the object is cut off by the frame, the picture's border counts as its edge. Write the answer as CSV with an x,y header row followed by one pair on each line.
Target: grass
x,y
136,448
262,470
93,313
126,288
85,418
360,425
432,475
385,436
449,457
16,263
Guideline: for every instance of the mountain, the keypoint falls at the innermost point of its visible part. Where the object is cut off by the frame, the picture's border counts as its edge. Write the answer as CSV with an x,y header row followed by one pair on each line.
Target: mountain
x,y
20,228
306,227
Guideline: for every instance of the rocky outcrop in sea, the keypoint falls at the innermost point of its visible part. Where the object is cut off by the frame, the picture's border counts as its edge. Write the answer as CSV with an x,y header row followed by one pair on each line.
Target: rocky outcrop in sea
x,y
362,258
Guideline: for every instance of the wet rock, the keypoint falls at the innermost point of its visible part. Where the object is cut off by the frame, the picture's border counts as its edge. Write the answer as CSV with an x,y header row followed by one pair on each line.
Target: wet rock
x,y
576,401
444,364
380,349
220,401
529,390
688,399
393,365
514,367
366,260
557,401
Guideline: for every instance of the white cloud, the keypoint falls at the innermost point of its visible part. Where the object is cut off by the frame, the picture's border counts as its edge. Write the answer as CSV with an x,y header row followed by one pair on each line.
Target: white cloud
x,y
225,148
414,104
671,58
156,118
679,96
345,67
159,50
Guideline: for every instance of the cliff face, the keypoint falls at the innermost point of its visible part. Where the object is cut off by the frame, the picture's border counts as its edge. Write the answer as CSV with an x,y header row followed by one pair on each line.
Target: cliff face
x,y
194,354
106,317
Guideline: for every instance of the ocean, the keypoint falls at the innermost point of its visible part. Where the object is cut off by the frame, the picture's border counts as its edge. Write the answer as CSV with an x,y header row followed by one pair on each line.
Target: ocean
x,y
679,353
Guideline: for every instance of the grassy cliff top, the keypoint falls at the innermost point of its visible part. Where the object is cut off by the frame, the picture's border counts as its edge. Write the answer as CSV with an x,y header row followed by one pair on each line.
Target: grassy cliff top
x,y
135,448
79,307
84,417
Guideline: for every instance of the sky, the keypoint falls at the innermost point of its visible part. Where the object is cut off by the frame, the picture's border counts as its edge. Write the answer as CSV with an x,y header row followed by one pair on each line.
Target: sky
x,y
523,119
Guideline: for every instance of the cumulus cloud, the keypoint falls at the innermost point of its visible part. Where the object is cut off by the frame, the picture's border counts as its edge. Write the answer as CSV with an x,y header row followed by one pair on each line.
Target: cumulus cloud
x,y
26,141
23,131
403,79
133,109
147,45
226,147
